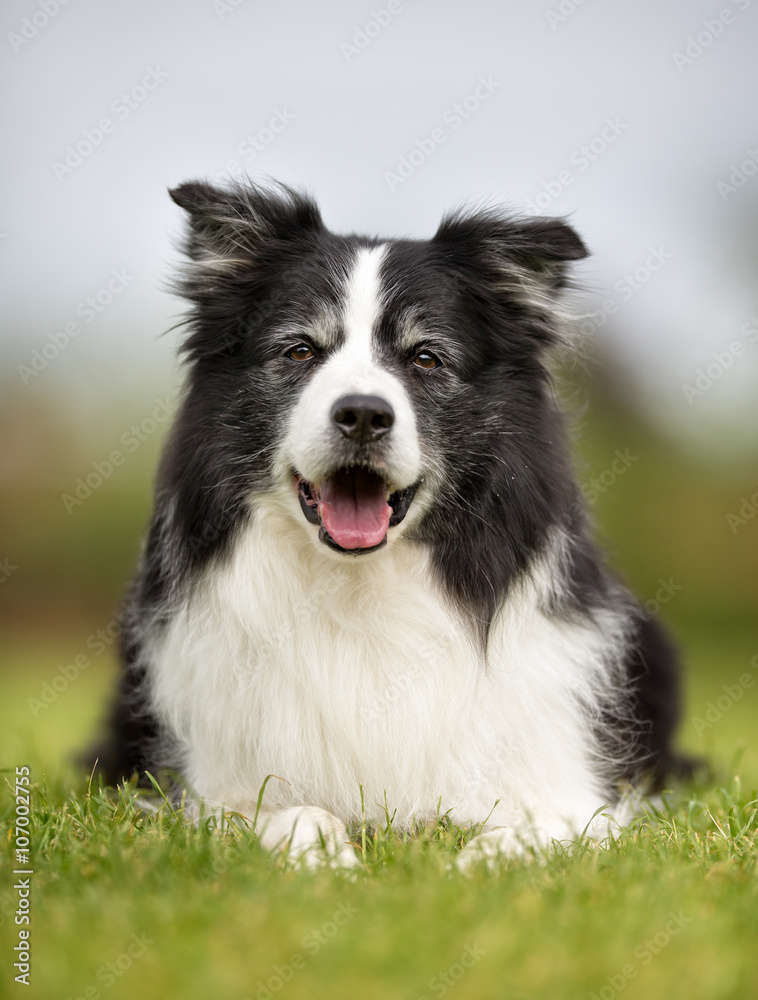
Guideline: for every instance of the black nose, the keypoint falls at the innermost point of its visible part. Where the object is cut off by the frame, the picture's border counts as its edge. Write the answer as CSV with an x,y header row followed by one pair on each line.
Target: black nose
x,y
363,418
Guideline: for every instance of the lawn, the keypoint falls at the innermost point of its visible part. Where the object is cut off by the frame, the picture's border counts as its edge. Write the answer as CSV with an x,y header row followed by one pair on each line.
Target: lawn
x,y
132,904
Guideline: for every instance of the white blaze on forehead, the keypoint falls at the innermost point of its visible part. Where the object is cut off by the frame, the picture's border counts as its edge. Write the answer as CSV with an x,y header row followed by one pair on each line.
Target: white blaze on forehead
x,y
362,307
313,446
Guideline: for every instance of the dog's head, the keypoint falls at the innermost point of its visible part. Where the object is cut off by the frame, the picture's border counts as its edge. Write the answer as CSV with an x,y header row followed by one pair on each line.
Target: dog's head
x,y
367,384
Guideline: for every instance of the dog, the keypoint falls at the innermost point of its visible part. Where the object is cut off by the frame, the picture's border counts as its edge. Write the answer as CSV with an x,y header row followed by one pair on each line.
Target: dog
x,y
370,572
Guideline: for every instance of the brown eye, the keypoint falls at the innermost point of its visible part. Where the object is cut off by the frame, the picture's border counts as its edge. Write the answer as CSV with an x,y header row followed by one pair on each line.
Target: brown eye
x,y
426,360
300,353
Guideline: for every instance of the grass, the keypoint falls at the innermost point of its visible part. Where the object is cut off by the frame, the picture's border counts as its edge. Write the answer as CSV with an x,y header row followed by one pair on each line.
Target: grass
x,y
670,907
208,915
668,910
216,918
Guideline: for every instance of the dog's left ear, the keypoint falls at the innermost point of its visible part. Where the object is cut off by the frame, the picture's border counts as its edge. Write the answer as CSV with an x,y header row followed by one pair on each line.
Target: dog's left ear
x,y
528,254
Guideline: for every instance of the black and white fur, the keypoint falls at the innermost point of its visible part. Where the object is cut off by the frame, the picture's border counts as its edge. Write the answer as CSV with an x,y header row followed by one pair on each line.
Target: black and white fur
x,y
484,653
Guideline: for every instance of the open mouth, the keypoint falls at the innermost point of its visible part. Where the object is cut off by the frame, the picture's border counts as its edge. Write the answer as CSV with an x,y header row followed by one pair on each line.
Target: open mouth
x,y
354,508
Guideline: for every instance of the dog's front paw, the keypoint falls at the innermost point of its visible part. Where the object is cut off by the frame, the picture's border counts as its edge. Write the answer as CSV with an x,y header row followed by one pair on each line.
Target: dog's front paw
x,y
493,848
307,836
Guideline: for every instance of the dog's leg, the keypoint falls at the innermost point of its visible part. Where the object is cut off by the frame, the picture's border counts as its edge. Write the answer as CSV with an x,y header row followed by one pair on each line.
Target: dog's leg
x,y
653,673
307,835
534,840
495,846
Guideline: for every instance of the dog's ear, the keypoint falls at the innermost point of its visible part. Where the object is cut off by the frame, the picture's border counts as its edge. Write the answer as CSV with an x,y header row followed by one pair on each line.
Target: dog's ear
x,y
528,257
233,234
229,228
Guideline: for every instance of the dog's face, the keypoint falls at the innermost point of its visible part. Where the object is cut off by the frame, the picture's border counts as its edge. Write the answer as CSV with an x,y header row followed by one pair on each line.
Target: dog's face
x,y
364,384
353,444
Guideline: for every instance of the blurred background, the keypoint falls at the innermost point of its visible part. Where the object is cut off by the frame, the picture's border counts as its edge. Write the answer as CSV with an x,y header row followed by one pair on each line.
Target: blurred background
x,y
636,119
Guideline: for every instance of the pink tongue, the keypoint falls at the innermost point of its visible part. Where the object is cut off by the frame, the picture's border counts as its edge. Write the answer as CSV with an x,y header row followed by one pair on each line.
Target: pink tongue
x,y
354,509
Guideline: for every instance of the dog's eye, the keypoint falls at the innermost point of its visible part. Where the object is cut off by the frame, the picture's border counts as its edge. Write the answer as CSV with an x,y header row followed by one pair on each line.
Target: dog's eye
x,y
300,353
426,360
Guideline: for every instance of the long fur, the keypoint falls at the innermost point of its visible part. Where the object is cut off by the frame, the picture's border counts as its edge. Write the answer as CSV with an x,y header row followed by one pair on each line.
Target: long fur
x,y
484,654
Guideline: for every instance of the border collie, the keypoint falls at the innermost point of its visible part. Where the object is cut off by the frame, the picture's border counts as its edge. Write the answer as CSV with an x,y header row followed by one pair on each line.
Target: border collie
x,y
370,569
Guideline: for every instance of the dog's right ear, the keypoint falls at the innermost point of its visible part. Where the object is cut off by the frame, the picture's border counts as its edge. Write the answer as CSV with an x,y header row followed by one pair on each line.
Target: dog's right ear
x,y
230,227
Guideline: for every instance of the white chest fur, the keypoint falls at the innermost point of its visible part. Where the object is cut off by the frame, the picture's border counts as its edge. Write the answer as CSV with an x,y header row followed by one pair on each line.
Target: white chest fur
x,y
335,672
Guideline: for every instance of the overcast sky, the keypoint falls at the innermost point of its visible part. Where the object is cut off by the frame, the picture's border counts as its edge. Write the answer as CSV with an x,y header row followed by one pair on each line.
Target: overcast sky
x,y
636,117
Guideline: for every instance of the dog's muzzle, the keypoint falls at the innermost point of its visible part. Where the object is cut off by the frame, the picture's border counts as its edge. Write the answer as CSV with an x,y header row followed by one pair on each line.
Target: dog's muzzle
x,y
355,505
